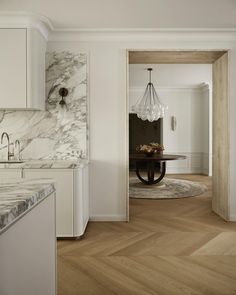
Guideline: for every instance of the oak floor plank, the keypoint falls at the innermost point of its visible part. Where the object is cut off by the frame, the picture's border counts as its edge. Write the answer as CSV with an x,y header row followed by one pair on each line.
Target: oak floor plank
x,y
169,247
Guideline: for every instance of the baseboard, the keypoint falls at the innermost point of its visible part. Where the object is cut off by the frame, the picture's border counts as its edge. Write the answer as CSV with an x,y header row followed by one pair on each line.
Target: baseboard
x,y
232,217
183,171
108,218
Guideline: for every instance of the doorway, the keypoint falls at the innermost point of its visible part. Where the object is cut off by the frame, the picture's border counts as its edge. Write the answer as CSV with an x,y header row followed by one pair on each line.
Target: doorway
x,y
220,159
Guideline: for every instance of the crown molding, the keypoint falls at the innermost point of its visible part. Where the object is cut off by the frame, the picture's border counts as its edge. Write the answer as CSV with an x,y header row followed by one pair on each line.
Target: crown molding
x,y
144,34
22,19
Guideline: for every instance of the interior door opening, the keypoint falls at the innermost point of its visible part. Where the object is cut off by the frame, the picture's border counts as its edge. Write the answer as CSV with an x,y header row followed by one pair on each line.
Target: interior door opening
x,y
218,62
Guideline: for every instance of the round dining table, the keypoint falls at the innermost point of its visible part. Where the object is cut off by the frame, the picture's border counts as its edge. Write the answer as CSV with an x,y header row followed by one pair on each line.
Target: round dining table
x,y
150,169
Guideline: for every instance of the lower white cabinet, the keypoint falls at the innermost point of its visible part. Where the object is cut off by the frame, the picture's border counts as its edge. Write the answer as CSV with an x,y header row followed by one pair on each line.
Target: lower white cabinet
x,y
10,173
72,198
81,201
28,252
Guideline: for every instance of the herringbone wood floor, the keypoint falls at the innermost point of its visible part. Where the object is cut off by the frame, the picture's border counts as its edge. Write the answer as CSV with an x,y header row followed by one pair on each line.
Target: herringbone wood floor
x,y
170,247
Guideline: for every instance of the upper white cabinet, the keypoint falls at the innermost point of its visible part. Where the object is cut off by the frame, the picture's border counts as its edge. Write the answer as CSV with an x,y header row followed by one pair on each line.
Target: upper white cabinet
x,y
13,68
22,68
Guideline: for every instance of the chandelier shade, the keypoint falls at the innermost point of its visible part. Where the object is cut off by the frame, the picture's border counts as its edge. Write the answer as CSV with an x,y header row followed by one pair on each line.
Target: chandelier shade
x,y
149,107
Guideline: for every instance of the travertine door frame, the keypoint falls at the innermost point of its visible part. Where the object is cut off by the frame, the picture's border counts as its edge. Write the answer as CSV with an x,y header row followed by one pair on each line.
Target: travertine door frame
x,y
220,111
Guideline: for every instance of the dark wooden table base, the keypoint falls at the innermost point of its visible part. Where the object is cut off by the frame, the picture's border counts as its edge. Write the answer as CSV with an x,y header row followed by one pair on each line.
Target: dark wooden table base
x,y
151,172
151,168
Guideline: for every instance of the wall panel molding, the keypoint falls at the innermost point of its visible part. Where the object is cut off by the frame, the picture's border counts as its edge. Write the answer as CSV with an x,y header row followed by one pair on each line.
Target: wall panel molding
x,y
194,163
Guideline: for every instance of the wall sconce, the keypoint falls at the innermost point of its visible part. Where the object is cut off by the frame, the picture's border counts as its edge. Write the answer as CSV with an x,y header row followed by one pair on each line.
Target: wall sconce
x,y
63,93
173,123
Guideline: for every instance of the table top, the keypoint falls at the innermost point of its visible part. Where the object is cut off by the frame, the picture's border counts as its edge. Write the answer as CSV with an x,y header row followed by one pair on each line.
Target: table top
x,y
156,157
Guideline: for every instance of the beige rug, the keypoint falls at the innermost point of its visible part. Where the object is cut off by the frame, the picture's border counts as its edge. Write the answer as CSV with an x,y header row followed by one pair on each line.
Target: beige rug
x,y
168,188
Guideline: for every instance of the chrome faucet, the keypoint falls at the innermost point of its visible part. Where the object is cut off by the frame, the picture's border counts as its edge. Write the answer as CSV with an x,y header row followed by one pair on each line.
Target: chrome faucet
x,y
9,154
17,143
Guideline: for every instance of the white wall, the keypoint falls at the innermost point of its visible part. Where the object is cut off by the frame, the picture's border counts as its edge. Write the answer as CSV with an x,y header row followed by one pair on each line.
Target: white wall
x,y
107,127
182,88
165,75
108,109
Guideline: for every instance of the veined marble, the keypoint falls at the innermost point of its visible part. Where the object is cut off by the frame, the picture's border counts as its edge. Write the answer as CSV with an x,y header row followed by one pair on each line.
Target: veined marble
x,y
58,133
19,196
47,164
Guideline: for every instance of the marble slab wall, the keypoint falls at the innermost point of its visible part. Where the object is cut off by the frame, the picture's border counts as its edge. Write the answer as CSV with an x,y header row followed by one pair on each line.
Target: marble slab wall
x,y
57,133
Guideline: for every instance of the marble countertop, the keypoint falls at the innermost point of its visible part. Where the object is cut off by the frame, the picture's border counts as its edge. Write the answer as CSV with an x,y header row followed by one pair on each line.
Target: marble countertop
x,y
47,164
19,196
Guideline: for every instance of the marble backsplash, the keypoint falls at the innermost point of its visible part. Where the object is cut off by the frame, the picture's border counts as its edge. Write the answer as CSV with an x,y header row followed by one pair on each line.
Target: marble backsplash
x,y
57,133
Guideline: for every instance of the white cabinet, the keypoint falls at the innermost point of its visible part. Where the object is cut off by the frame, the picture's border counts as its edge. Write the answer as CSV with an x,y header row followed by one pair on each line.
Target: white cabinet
x,y
72,198
22,69
64,196
36,50
28,252
13,61
81,200
10,173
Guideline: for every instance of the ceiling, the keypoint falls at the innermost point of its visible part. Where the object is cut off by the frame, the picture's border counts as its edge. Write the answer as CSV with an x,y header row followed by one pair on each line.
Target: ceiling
x,y
65,14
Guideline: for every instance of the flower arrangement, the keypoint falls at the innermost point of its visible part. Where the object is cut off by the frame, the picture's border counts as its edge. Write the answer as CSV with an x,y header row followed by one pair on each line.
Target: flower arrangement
x,y
151,148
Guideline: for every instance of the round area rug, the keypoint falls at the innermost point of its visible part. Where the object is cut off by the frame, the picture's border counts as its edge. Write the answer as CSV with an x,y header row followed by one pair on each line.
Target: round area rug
x,y
168,188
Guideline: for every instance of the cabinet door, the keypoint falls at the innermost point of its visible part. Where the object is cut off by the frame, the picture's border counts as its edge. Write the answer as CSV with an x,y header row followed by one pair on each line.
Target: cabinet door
x,y
81,200
13,68
64,196
36,48
10,173
28,253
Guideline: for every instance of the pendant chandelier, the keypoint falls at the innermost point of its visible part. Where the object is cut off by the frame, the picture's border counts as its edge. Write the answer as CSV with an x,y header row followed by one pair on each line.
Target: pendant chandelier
x,y
149,107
